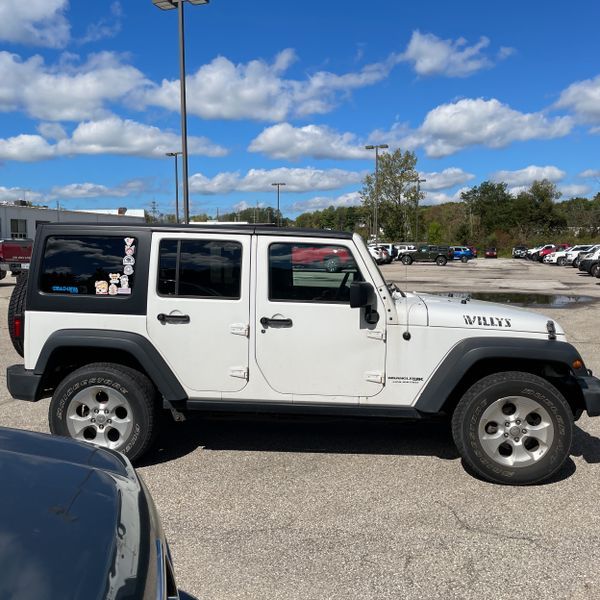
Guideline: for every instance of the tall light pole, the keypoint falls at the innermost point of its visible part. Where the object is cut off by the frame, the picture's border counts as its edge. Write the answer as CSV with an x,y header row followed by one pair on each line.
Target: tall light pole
x,y
419,182
175,155
376,211
278,213
169,5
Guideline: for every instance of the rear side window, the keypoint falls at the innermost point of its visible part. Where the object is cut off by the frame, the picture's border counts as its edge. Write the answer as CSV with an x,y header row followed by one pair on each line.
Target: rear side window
x,y
88,266
200,269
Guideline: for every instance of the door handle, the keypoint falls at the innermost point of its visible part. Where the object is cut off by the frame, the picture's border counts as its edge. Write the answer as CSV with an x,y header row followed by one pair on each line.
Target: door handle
x,y
276,323
173,318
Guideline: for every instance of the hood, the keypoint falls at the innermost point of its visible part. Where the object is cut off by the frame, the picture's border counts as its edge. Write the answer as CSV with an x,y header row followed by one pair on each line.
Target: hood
x,y
479,315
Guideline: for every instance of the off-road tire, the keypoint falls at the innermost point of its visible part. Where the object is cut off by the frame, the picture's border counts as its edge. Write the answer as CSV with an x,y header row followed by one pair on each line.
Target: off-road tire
x,y
16,306
575,263
2,275
441,261
135,387
467,427
407,260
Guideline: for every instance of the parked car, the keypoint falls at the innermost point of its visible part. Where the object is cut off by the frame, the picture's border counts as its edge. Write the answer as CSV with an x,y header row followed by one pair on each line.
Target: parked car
x,y
127,325
379,255
473,250
15,256
462,253
332,259
559,257
491,252
519,252
551,249
533,253
590,263
77,522
391,250
574,257
403,248
440,255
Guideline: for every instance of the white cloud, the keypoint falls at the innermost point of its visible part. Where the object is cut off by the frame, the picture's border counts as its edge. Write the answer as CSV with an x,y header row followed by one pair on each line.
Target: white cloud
x,y
442,198
106,27
260,180
444,179
321,202
68,91
259,91
284,141
52,131
35,22
133,187
526,176
107,136
590,173
583,98
449,128
431,55
18,193
574,190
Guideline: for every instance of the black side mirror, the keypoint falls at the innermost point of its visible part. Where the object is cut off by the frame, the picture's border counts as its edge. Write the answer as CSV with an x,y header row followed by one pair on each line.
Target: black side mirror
x,y
360,294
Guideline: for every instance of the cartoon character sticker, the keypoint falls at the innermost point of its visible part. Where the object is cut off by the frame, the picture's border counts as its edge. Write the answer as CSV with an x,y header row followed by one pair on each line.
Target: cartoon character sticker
x,y
129,241
101,287
114,278
129,250
112,289
124,281
128,270
129,260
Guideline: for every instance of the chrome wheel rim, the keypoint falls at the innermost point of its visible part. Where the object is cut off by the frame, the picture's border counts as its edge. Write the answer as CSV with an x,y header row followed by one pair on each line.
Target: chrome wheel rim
x,y
516,431
100,415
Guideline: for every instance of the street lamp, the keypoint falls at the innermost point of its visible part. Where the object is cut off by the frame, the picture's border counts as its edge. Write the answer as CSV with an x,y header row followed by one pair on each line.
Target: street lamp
x,y
175,155
419,181
376,211
278,213
169,5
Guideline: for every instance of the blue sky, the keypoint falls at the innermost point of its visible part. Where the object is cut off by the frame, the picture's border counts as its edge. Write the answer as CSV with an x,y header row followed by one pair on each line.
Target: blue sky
x,y
291,92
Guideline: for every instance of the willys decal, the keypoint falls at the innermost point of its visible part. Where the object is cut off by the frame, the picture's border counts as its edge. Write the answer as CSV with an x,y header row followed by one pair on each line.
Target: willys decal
x,y
487,321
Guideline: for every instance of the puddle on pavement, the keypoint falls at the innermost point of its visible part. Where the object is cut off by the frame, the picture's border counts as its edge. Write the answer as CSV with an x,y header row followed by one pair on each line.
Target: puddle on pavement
x,y
523,299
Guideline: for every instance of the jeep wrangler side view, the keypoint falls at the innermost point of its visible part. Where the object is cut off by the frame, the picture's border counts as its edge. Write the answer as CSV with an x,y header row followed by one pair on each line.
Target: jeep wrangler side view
x,y
428,253
122,325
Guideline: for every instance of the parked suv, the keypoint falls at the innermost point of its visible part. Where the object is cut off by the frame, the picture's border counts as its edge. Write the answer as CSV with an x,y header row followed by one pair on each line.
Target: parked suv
x,y
429,253
124,326
590,263
519,252
461,253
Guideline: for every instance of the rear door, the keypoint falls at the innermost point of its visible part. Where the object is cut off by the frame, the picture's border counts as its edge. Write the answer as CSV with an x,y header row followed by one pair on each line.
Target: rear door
x,y
309,341
198,308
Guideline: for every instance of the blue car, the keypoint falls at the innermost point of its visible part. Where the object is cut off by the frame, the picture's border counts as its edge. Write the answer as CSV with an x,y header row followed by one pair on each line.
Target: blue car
x,y
462,253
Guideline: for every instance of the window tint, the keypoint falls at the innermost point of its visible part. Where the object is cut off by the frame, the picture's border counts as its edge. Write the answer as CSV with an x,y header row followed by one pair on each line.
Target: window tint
x,y
88,265
311,273
200,268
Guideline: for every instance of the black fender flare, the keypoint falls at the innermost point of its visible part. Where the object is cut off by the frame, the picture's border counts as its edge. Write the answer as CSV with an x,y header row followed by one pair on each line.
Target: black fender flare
x,y
134,344
466,353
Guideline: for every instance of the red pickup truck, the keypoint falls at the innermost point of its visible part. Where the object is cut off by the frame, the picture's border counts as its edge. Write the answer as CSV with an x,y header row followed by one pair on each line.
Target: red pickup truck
x,y
15,256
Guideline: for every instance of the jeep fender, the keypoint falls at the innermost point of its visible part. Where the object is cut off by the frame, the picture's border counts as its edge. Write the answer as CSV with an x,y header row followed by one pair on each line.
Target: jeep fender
x,y
467,353
133,344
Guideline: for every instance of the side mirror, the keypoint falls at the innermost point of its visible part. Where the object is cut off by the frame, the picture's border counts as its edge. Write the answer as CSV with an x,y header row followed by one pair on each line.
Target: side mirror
x,y
360,294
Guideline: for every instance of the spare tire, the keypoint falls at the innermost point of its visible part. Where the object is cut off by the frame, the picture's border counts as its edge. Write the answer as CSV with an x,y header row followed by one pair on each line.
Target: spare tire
x,y
16,308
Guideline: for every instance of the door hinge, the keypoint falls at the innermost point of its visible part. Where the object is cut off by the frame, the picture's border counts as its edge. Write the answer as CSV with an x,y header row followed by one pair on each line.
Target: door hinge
x,y
376,334
240,329
239,372
374,376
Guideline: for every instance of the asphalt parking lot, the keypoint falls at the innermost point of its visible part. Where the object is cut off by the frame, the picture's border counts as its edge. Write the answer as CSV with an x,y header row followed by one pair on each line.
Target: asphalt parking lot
x,y
285,508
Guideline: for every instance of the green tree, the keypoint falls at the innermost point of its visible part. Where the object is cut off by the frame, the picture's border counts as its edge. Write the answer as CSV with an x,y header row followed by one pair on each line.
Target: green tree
x,y
397,194
435,233
489,206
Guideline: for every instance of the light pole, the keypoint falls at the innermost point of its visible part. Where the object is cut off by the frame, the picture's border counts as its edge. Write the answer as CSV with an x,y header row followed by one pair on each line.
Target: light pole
x,y
376,211
278,213
175,155
419,181
169,5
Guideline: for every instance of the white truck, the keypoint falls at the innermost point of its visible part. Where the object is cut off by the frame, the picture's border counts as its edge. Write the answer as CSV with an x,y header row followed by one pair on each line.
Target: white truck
x,y
121,326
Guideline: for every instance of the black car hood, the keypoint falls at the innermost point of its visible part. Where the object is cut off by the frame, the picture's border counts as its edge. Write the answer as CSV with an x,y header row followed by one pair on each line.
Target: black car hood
x,y
71,521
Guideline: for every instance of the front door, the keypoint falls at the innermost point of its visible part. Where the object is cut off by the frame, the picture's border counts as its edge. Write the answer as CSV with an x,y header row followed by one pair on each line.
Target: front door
x,y
309,341
198,308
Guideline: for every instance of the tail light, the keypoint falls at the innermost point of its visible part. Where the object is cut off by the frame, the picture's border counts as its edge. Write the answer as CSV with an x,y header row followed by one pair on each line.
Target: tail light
x,y
18,326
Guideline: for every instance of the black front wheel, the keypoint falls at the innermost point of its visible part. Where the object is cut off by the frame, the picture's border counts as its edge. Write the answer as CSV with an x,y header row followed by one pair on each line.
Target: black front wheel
x,y
513,428
407,260
441,261
106,404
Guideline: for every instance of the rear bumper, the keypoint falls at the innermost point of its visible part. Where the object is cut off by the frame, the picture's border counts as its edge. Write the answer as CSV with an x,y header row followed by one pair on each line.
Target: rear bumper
x,y
590,388
22,383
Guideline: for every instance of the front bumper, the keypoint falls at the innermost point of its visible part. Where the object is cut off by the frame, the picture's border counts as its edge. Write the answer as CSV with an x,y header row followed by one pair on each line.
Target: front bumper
x,y
590,388
23,384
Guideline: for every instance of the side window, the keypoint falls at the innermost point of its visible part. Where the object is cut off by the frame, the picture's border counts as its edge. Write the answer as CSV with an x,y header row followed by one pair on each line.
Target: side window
x,y
311,273
88,266
200,269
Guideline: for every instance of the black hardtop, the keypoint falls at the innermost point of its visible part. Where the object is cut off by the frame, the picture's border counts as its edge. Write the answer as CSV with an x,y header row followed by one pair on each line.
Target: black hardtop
x,y
248,229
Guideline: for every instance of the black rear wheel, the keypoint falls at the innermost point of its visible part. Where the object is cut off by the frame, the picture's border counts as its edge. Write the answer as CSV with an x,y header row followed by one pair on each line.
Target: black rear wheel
x,y
441,260
407,260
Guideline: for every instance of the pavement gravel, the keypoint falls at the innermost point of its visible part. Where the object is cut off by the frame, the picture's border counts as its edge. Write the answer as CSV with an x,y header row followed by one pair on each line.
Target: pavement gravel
x,y
291,508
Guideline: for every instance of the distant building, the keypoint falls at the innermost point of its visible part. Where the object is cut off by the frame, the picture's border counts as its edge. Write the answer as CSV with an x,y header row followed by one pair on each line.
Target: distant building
x,y
19,222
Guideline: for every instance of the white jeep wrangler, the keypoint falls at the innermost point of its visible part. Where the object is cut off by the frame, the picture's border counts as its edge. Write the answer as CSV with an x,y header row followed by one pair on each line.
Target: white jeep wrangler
x,y
120,325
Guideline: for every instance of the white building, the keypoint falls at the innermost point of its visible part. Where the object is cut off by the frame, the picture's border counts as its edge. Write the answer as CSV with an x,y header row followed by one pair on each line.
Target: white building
x,y
20,222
